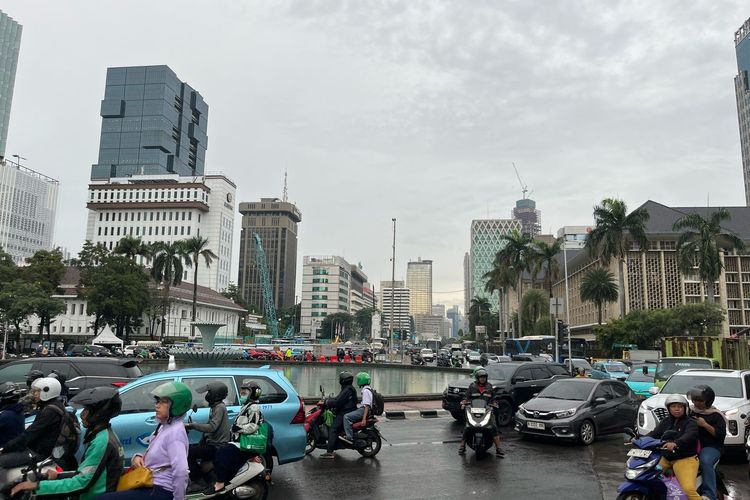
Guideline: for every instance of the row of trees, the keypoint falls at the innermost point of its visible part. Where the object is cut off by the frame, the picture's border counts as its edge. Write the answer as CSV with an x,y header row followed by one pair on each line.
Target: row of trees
x,y
616,233
348,326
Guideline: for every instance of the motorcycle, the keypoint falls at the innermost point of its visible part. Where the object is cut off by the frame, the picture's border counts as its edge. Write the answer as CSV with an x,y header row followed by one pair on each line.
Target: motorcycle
x,y
479,414
32,471
367,439
645,478
417,360
443,361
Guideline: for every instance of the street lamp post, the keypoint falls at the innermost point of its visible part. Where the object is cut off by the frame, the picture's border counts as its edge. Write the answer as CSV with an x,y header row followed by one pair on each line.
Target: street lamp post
x,y
393,284
567,299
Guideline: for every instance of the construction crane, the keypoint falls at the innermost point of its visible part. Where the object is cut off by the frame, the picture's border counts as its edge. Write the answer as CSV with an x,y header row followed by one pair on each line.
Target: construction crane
x,y
524,187
268,305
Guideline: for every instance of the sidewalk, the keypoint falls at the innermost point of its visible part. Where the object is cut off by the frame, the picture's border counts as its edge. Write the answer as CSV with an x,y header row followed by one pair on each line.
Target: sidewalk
x,y
414,409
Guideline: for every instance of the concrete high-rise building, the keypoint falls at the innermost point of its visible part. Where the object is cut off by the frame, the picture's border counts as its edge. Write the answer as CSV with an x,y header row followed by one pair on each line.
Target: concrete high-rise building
x,y
28,201
152,123
531,219
167,208
331,285
742,91
431,326
10,44
486,241
275,221
419,282
575,236
438,310
394,296
467,282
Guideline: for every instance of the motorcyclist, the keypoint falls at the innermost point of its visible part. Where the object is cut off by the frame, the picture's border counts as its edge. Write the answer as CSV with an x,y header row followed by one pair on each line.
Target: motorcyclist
x,y
37,441
215,433
343,403
102,461
484,360
483,387
680,453
63,387
361,413
712,429
28,401
11,412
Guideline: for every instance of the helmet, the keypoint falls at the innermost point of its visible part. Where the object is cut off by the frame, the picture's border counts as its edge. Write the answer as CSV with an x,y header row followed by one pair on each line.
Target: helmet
x,y
178,393
32,376
10,393
215,392
676,399
103,404
252,386
49,388
480,372
363,378
346,378
702,393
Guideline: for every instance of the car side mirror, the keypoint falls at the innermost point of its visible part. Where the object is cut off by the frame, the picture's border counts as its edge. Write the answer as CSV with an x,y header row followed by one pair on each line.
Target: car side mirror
x,y
535,395
653,390
600,401
645,370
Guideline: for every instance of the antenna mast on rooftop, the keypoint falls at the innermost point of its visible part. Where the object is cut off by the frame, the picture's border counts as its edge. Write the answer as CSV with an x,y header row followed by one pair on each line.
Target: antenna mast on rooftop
x,y
524,187
286,194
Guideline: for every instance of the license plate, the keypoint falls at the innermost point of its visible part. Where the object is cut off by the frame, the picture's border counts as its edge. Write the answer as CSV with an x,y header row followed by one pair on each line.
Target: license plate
x,y
535,425
639,453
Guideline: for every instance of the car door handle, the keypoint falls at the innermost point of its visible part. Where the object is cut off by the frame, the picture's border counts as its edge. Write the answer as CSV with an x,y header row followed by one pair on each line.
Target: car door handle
x,y
151,420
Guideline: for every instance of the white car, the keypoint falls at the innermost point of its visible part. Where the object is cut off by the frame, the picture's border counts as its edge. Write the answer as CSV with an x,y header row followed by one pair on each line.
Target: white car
x,y
473,356
428,355
732,388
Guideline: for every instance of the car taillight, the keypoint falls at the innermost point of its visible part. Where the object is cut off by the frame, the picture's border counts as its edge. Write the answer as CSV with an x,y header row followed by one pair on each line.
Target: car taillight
x,y
119,384
299,418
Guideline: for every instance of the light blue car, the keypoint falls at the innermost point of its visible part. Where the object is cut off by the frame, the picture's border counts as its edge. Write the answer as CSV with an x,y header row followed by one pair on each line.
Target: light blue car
x,y
281,406
610,369
641,381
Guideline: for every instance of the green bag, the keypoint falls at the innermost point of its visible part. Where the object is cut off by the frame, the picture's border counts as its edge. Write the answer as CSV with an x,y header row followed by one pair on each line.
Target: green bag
x,y
256,442
328,417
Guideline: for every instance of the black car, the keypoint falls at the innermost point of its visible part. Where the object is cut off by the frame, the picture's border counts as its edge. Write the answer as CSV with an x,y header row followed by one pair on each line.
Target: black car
x,y
88,350
514,383
80,372
578,409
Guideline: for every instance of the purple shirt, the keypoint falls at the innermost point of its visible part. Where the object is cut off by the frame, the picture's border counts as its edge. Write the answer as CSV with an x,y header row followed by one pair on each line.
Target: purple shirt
x,y
166,456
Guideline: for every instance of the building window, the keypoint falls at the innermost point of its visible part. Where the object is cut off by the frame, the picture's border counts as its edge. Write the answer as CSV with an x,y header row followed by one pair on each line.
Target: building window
x,y
190,215
100,216
188,231
105,230
99,233
182,230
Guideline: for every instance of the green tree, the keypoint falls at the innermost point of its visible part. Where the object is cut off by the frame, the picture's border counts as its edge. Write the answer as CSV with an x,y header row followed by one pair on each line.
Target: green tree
x,y
363,319
8,268
132,247
546,254
46,308
614,231
501,279
598,286
46,268
167,269
91,255
195,248
517,257
701,243
17,301
337,324
479,313
535,307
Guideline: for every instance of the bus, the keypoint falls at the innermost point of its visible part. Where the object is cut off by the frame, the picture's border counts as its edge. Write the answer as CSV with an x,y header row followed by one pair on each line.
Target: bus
x,y
435,344
579,346
531,344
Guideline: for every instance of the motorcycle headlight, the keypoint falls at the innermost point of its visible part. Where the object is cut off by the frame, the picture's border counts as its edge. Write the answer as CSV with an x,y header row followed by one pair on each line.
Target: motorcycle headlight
x,y
631,473
566,413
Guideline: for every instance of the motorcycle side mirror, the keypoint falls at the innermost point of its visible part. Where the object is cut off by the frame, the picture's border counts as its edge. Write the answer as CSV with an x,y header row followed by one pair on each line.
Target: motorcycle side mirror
x,y
630,432
645,370
195,408
600,401
653,390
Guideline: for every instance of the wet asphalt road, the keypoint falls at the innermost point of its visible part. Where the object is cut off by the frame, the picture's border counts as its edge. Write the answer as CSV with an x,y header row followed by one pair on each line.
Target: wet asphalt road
x,y
420,460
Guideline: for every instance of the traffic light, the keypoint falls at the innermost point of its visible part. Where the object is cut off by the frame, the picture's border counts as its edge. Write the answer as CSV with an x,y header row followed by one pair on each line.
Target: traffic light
x,y
562,331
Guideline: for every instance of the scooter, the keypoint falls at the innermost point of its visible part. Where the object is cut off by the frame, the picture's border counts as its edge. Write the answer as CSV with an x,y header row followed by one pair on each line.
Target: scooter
x,y
33,471
367,439
417,360
479,415
645,478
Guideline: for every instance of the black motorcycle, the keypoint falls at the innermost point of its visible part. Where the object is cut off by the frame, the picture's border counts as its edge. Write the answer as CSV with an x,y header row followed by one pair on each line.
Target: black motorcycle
x,y
417,360
479,411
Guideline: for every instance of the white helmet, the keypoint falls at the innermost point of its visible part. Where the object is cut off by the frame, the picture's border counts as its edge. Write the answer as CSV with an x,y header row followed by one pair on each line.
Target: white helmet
x,y
49,388
677,399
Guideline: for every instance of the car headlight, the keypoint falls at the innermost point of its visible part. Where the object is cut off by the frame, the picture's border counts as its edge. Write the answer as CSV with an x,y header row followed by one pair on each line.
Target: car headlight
x,y
456,390
732,412
566,413
522,408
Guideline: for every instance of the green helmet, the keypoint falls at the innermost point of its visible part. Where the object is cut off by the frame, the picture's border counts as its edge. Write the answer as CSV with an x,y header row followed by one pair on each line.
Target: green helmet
x,y
363,379
480,372
178,393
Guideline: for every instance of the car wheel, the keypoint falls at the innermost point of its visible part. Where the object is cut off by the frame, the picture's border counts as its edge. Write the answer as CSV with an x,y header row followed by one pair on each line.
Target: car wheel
x,y
587,432
503,413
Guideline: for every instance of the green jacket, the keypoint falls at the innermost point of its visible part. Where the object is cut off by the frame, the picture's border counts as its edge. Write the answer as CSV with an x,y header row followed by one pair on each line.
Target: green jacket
x,y
104,449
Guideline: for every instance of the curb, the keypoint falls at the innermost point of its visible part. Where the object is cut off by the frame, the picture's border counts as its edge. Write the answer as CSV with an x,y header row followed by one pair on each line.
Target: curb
x,y
409,414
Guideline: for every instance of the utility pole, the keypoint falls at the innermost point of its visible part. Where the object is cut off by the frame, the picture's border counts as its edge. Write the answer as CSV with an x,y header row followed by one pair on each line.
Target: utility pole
x,y
567,299
393,284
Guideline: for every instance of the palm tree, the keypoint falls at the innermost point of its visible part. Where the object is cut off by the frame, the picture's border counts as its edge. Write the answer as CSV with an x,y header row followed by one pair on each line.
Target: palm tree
x,y
598,286
516,256
500,280
478,310
614,230
132,247
167,269
195,248
701,242
545,257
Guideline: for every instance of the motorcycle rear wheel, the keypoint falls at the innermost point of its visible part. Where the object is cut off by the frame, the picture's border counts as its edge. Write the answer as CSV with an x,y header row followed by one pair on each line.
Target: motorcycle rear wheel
x,y
309,443
261,485
375,443
631,495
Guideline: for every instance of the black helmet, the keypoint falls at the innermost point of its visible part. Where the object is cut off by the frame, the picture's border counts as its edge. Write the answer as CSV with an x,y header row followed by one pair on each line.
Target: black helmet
x,y
252,386
10,393
702,393
103,404
346,378
215,392
59,376
480,372
32,376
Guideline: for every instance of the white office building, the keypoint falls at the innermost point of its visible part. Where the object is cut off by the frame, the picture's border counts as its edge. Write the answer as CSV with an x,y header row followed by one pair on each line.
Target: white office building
x,y
575,236
167,208
394,301
28,201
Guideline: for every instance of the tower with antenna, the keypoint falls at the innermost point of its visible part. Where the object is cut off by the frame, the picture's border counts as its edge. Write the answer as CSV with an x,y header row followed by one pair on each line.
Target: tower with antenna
x,y
285,196
525,210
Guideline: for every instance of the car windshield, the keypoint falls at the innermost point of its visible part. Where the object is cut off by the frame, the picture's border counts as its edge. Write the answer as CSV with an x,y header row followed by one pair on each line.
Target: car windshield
x,y
426,351
637,375
667,367
500,372
567,389
616,367
726,387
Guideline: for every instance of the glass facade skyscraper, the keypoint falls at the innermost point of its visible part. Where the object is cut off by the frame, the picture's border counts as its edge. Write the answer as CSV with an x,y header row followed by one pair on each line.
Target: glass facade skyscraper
x,y
10,43
486,241
152,123
742,91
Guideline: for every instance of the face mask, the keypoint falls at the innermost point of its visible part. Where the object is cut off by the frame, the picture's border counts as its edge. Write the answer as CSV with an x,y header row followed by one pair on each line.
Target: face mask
x,y
243,400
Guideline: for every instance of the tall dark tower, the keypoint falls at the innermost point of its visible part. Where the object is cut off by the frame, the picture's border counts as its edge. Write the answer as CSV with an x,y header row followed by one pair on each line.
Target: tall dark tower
x,y
530,218
742,90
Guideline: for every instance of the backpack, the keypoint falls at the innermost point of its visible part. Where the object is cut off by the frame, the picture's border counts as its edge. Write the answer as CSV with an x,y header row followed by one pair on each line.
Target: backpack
x,y
70,434
378,403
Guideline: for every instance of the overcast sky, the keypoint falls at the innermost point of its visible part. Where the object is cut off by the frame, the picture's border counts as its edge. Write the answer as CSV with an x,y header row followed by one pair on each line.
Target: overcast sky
x,y
412,110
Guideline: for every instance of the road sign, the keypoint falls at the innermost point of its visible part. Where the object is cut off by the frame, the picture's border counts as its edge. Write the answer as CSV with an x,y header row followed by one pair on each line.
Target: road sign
x,y
556,306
